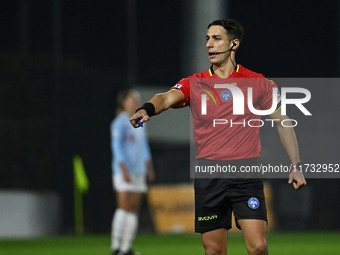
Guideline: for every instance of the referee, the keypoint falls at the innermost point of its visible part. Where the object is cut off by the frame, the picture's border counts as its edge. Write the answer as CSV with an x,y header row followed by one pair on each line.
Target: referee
x,y
217,198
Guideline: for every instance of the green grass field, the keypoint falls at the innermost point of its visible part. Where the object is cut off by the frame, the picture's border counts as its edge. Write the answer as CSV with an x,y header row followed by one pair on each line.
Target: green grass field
x,y
148,244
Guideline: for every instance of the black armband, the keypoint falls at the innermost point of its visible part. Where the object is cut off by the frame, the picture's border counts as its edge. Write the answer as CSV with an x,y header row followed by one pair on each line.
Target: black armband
x,y
148,107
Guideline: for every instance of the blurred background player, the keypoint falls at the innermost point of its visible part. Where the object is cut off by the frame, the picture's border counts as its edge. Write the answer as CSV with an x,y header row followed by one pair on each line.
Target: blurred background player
x,y
132,168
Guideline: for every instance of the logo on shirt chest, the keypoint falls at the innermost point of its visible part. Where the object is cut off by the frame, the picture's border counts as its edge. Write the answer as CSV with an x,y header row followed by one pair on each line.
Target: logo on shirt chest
x,y
226,96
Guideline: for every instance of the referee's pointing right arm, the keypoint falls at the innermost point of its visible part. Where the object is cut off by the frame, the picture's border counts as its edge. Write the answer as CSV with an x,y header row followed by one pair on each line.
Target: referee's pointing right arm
x,y
157,104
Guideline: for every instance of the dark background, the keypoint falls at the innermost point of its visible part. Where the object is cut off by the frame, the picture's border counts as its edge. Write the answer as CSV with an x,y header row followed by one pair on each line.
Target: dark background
x,y
59,83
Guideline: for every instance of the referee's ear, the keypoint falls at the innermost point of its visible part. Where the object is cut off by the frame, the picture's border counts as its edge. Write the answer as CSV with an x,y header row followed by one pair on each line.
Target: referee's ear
x,y
235,45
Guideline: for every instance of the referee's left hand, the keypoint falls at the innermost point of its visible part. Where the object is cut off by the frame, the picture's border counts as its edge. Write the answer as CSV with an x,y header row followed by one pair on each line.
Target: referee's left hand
x,y
297,178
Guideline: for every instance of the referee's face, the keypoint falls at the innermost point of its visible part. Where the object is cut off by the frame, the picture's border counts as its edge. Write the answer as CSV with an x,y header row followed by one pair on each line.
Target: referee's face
x,y
217,41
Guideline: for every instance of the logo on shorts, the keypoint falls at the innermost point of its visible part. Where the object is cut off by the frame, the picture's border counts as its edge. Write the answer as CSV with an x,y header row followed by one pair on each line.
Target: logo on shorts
x,y
204,218
253,203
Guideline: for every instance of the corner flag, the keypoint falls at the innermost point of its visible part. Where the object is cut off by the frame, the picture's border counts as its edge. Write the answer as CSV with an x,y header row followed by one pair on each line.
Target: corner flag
x,y
80,178
81,186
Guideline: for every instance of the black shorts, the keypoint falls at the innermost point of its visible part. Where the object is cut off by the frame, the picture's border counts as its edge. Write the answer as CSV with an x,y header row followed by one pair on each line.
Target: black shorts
x,y
216,199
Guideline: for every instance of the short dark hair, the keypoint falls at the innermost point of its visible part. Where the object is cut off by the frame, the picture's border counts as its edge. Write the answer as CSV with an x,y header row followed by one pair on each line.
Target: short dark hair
x,y
233,28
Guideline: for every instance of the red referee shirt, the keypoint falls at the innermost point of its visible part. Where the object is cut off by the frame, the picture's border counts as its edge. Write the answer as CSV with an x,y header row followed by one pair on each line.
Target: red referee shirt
x,y
233,137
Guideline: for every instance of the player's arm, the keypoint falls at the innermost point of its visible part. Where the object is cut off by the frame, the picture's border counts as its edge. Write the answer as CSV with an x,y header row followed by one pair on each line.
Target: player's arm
x,y
117,140
125,172
290,145
157,104
150,171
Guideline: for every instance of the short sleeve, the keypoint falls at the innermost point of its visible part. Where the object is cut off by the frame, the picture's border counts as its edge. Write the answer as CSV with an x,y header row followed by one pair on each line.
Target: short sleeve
x,y
267,94
184,86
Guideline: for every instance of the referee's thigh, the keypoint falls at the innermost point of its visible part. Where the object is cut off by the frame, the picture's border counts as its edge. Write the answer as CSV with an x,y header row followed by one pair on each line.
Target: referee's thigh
x,y
215,242
255,235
